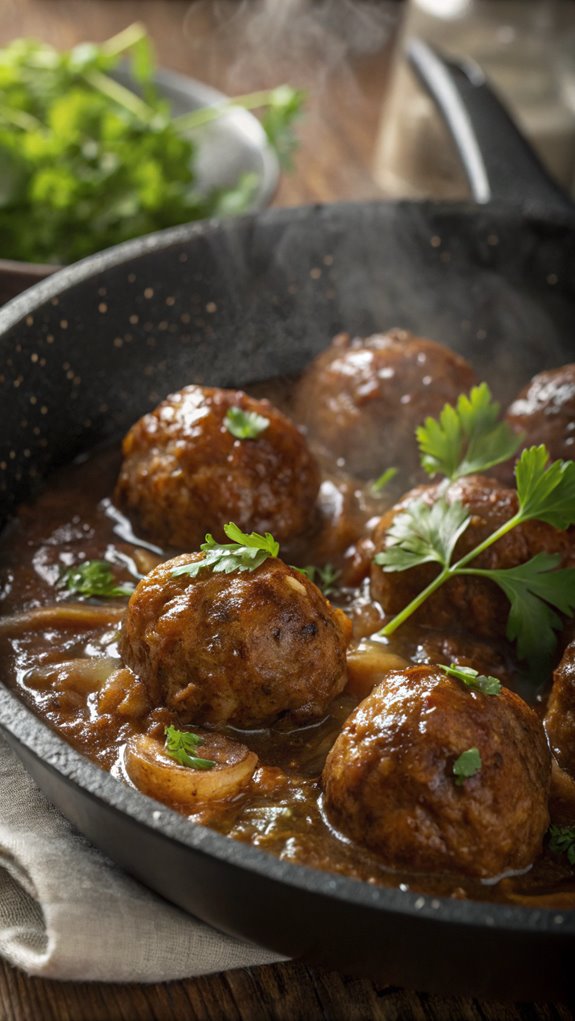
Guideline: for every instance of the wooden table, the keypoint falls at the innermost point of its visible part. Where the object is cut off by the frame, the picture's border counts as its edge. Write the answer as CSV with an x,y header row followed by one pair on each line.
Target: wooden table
x,y
214,42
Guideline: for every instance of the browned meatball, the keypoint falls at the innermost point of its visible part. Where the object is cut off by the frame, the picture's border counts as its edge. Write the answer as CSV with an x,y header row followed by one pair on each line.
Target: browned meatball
x,y
476,601
461,649
363,398
389,780
238,648
184,472
560,717
545,411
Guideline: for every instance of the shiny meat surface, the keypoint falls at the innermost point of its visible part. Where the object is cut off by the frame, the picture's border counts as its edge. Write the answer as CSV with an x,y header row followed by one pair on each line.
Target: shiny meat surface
x,y
477,600
241,648
560,718
545,412
185,474
362,399
389,780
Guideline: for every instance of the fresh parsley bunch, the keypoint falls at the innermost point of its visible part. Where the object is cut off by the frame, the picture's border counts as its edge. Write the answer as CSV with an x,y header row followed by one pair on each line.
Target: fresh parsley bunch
x,y
86,163
468,438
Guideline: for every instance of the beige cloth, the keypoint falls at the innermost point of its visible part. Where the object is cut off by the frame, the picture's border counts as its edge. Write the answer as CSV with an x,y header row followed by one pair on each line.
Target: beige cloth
x,y
66,912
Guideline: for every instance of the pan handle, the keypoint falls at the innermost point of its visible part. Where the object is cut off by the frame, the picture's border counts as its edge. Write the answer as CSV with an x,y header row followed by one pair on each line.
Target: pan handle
x,y
498,160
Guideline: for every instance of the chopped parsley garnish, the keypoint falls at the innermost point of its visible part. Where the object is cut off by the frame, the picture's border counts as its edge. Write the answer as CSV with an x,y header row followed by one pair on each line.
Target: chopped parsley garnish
x,y
182,745
247,552
93,578
466,438
426,533
324,577
485,683
562,841
467,764
245,425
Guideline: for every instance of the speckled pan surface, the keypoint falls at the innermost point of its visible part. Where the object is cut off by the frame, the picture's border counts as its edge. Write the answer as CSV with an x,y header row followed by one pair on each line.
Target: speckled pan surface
x,y
87,351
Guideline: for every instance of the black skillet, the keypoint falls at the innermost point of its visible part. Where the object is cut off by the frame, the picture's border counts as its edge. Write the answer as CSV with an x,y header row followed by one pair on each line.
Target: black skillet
x,y
84,353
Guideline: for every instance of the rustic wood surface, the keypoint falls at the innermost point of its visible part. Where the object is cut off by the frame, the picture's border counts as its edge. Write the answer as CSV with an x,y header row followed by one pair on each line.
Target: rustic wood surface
x,y
237,47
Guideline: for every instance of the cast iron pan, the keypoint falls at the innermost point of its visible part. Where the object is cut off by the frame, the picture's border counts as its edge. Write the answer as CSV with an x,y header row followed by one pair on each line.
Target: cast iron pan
x,y
86,352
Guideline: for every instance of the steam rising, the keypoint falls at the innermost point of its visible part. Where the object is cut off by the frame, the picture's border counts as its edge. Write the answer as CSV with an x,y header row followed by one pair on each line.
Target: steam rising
x,y
297,40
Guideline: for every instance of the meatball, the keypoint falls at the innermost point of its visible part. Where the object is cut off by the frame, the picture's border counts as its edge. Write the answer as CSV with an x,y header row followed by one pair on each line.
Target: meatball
x,y
461,649
390,784
239,648
560,717
185,473
545,412
363,398
464,599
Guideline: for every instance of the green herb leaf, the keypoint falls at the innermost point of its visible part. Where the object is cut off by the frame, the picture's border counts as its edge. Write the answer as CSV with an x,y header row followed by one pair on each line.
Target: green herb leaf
x,y
384,479
485,683
546,491
562,841
533,588
247,552
324,577
467,764
423,533
245,425
181,745
86,163
93,578
285,105
467,438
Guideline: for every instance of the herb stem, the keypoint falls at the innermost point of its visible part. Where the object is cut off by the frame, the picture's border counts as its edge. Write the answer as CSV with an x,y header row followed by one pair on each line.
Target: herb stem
x,y
119,94
449,572
207,114
20,119
503,529
124,40
414,605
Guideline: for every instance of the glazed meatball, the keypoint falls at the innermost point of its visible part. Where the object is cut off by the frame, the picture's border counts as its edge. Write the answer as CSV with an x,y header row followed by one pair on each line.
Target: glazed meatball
x,y
432,647
239,648
184,472
467,599
545,412
363,398
389,780
560,717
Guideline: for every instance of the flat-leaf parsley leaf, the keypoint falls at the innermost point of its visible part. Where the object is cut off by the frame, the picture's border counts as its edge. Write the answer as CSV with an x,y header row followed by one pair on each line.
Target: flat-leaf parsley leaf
x,y
562,841
248,551
181,745
245,425
467,764
466,438
93,578
485,683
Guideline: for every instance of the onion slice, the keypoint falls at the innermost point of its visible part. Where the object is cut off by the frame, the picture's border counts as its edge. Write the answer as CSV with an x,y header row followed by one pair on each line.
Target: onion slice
x,y
154,772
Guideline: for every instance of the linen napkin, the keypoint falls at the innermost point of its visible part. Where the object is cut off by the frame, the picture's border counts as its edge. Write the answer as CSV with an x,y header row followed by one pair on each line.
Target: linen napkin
x,y
67,912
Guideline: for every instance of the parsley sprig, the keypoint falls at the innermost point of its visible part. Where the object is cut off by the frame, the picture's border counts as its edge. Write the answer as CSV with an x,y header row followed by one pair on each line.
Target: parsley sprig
x,y
93,578
182,745
562,841
485,683
245,553
245,425
468,438
325,577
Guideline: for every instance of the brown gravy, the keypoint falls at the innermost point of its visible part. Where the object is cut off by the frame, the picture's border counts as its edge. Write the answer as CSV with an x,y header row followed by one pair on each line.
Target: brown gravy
x,y
281,812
